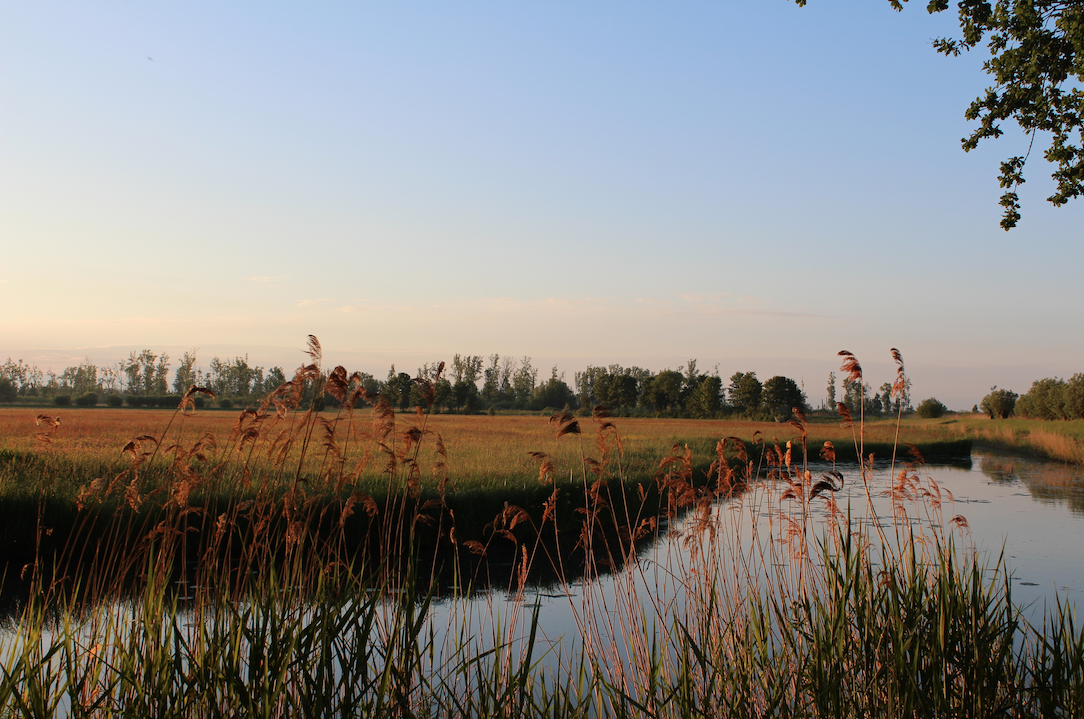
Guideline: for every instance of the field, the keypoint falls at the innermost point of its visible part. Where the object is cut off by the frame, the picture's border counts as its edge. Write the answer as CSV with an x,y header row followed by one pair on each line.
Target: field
x,y
483,452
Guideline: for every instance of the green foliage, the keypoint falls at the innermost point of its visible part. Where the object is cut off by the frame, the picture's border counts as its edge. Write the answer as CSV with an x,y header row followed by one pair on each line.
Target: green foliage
x,y
114,400
931,409
999,403
1037,63
87,399
185,376
744,391
554,393
225,403
780,395
63,400
663,391
1053,398
8,392
706,398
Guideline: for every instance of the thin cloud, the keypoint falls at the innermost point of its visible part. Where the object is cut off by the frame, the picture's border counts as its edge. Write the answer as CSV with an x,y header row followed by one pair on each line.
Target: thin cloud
x,y
307,303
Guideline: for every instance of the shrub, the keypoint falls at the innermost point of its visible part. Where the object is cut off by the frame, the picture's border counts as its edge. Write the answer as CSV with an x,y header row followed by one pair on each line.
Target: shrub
x,y
63,400
931,409
225,403
134,400
7,390
114,400
87,400
999,403
199,401
1045,400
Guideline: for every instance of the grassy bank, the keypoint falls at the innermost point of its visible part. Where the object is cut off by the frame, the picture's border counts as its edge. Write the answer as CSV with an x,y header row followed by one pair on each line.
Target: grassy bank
x,y
1050,439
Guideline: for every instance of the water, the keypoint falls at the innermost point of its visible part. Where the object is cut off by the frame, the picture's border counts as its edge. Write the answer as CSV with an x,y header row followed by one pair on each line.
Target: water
x,y
1031,509
1028,512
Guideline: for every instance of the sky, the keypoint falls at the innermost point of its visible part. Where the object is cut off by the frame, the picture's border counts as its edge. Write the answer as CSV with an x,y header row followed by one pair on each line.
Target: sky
x,y
756,185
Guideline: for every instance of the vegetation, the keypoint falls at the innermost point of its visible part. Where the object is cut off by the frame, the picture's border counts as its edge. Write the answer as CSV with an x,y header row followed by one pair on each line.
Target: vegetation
x,y
999,404
257,605
1053,399
931,409
1036,49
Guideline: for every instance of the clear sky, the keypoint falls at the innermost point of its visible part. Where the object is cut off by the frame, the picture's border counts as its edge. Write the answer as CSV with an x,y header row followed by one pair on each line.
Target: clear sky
x,y
752,184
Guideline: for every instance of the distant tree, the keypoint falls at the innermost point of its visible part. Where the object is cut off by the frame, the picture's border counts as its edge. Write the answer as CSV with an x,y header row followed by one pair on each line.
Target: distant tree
x,y
663,391
465,396
831,402
999,403
744,391
466,368
554,393
931,409
780,395
1051,398
276,377
404,386
524,380
887,405
856,395
185,376
443,394
1074,397
491,383
706,398
8,391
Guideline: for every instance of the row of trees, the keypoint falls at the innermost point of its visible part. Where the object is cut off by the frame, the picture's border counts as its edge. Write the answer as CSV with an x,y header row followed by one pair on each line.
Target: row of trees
x,y
863,398
144,373
1051,398
471,383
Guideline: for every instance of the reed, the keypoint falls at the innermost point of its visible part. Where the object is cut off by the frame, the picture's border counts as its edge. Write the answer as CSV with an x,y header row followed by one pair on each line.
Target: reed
x,y
294,587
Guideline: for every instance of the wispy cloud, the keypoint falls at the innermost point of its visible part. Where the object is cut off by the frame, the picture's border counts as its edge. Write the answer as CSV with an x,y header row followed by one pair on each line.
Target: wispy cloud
x,y
726,304
308,303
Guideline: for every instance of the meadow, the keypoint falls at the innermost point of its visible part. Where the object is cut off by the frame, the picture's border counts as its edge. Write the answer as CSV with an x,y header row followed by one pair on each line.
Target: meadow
x,y
286,562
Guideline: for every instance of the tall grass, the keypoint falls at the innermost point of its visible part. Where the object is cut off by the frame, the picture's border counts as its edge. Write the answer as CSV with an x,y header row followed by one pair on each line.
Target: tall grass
x,y
301,591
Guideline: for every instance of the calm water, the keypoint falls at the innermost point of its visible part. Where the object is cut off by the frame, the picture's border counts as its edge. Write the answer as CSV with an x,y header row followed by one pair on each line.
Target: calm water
x,y
1032,509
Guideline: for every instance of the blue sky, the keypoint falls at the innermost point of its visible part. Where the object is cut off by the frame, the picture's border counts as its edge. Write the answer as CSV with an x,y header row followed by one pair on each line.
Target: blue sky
x,y
753,184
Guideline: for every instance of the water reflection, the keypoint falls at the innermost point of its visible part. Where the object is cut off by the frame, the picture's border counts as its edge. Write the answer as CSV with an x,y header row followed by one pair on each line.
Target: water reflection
x,y
1049,482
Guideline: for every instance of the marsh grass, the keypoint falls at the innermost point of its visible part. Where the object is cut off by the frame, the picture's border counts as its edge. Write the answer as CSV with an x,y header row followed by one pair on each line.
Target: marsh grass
x,y
261,573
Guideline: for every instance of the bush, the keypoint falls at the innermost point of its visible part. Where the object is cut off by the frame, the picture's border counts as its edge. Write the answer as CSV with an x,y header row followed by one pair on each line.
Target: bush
x,y
7,390
63,400
199,401
999,403
1045,400
134,400
89,399
931,409
114,400
225,403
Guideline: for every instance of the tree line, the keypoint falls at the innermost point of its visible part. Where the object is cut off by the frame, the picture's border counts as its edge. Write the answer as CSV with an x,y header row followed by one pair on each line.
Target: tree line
x,y
1050,398
143,374
471,383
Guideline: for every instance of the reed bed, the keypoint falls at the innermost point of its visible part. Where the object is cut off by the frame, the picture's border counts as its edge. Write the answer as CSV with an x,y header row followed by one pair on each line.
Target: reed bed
x,y
771,600
1061,440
